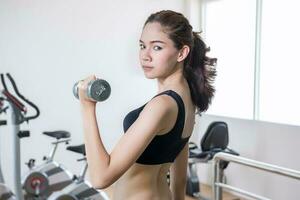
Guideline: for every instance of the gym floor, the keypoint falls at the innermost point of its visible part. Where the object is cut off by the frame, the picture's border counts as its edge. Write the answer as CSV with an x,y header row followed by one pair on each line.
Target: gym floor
x,y
203,188
206,190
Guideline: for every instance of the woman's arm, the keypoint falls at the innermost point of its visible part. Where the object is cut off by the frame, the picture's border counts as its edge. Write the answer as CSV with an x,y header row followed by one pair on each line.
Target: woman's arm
x,y
105,168
178,172
97,157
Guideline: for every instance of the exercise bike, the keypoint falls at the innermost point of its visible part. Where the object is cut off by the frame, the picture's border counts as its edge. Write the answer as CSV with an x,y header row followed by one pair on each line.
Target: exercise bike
x,y
42,180
18,114
214,140
79,189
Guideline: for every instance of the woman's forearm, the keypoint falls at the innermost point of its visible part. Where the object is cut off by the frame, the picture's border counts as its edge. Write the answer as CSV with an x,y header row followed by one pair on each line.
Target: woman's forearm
x,y
97,157
178,195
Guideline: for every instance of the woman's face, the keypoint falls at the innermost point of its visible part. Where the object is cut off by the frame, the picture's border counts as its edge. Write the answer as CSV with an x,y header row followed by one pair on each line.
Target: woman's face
x,y
158,56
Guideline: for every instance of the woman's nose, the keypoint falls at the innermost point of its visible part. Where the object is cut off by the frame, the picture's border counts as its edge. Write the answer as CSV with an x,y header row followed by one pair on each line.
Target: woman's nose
x,y
146,56
148,59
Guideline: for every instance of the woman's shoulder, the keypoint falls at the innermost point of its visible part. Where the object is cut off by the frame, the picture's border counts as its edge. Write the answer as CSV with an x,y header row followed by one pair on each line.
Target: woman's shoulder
x,y
162,101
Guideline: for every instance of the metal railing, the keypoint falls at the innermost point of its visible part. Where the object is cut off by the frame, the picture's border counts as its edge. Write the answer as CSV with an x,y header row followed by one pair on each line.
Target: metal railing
x,y
218,174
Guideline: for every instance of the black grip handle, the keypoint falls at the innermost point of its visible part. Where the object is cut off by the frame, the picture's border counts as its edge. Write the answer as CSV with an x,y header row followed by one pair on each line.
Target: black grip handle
x,y
3,122
22,134
3,82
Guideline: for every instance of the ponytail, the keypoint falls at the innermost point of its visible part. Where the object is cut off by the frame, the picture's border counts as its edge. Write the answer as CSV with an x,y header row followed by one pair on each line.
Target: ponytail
x,y
200,72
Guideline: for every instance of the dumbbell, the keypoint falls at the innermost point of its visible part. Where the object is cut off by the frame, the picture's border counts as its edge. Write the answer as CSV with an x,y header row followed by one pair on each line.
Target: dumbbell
x,y
97,90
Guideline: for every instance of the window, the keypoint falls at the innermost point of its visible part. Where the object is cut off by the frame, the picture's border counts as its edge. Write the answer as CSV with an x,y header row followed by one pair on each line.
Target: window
x,y
230,32
280,74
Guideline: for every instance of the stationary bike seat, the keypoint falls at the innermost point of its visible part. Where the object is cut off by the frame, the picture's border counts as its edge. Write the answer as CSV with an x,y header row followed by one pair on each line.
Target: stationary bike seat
x,y
77,149
57,134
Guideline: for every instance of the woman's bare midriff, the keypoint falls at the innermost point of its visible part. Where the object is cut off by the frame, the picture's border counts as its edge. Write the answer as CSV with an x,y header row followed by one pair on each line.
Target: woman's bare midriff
x,y
147,182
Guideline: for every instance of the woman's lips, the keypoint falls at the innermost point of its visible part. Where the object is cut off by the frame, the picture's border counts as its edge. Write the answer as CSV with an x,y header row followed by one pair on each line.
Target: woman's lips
x,y
146,68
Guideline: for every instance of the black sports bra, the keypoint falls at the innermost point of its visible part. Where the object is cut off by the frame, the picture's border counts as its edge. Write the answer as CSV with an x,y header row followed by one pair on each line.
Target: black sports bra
x,y
163,148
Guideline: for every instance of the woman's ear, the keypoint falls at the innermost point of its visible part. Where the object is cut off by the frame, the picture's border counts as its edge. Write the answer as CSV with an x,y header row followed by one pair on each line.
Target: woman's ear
x,y
183,53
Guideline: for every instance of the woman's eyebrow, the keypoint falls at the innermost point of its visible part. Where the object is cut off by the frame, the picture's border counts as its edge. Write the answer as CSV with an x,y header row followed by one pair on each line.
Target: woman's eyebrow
x,y
153,41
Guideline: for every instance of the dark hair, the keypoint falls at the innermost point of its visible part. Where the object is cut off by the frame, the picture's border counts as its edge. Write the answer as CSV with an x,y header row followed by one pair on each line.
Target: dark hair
x,y
199,70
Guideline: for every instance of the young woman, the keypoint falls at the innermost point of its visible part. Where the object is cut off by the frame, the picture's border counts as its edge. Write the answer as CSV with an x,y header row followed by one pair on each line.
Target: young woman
x,y
156,134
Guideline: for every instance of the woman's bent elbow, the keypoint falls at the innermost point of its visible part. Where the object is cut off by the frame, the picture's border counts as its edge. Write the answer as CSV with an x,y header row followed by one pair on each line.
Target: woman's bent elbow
x,y
100,183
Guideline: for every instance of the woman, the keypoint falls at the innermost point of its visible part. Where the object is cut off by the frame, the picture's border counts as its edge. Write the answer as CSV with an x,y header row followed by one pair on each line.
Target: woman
x,y
156,134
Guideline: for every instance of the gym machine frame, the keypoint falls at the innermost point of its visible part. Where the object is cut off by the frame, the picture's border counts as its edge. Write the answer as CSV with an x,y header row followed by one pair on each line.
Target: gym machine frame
x,y
18,117
5,192
217,174
79,188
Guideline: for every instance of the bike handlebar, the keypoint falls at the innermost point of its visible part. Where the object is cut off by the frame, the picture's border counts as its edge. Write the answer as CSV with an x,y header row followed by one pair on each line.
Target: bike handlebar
x,y
24,99
15,100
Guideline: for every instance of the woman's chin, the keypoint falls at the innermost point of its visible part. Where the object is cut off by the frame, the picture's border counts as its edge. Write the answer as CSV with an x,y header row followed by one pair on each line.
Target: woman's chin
x,y
148,76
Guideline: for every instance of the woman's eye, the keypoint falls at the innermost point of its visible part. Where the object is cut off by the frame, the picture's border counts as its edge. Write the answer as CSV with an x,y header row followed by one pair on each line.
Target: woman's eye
x,y
157,48
142,46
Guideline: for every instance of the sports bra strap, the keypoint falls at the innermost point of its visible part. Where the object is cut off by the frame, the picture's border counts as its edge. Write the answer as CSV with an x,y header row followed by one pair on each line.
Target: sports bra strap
x,y
179,125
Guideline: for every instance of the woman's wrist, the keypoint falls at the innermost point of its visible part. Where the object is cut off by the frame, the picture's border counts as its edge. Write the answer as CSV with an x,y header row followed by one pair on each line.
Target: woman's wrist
x,y
87,105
